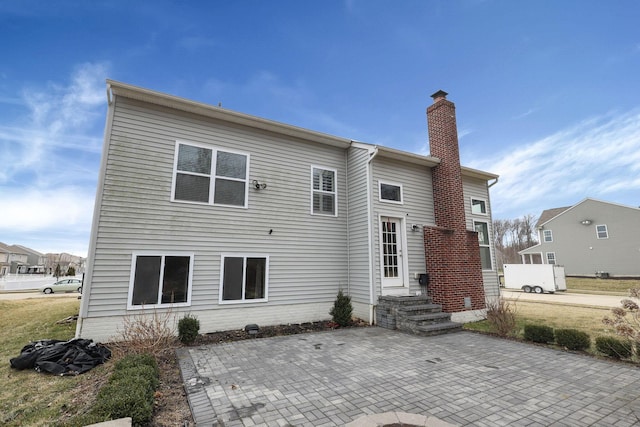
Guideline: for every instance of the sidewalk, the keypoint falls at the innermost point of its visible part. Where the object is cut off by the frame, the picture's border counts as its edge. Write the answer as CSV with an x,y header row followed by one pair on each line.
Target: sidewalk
x,y
333,378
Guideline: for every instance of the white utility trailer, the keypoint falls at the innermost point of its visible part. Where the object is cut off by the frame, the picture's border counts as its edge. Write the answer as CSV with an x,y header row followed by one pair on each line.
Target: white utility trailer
x,y
536,278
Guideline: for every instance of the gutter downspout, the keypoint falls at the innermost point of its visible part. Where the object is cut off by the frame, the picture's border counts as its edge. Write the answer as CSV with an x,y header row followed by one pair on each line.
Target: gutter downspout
x,y
493,183
372,156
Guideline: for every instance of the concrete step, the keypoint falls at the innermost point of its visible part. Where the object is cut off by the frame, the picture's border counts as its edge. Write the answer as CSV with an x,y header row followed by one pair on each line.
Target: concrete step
x,y
411,310
427,317
437,328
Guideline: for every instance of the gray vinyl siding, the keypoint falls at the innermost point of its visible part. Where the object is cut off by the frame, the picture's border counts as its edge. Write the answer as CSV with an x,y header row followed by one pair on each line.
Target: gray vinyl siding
x,y
308,253
577,247
417,208
359,260
478,189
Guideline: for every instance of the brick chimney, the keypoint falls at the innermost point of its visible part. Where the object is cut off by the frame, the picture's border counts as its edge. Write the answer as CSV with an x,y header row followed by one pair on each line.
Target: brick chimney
x,y
452,252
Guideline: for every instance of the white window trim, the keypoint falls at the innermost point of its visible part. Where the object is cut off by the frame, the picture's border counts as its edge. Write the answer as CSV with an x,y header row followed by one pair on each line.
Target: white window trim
x,y
606,229
132,275
486,206
544,237
487,245
546,258
335,192
244,266
212,175
395,184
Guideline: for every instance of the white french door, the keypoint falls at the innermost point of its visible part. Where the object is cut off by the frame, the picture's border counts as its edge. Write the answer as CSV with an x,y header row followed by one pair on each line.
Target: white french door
x,y
391,247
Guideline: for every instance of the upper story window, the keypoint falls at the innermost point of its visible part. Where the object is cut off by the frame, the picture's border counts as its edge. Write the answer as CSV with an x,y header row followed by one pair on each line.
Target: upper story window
x,y
324,194
210,175
478,206
485,248
160,279
601,231
547,235
391,193
551,257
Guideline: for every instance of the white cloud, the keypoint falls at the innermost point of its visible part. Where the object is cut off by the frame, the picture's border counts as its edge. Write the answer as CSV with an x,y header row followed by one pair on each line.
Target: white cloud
x,y
50,157
598,157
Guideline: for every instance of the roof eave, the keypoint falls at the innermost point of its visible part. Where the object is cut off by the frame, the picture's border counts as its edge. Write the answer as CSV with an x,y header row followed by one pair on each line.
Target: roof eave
x,y
476,173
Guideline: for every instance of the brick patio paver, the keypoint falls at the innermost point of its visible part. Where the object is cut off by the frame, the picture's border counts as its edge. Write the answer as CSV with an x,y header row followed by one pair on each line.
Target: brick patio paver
x,y
336,377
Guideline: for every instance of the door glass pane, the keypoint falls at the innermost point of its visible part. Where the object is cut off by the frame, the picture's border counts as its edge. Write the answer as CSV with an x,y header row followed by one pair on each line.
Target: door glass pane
x,y
229,192
146,280
389,249
176,279
193,188
194,159
232,279
255,278
231,165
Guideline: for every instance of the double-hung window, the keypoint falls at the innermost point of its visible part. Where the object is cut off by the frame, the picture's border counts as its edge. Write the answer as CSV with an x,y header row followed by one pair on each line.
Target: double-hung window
x,y
547,235
551,257
602,232
209,175
244,278
482,228
160,279
391,193
324,194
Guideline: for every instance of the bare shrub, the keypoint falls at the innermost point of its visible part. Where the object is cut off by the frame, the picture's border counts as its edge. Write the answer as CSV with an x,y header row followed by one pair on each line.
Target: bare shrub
x,y
626,318
501,316
153,333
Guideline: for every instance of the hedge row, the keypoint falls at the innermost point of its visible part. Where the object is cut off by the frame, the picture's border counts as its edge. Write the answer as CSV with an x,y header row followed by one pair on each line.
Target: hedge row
x,y
574,339
128,393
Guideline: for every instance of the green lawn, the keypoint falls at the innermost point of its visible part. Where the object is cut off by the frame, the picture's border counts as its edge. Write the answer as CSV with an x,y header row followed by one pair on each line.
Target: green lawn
x,y
601,285
28,397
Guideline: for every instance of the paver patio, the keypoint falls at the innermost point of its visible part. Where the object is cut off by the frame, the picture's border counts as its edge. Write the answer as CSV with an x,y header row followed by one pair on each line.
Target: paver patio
x,y
333,378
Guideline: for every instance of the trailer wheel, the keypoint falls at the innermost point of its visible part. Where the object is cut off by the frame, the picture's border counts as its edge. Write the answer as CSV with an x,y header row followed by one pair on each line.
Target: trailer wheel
x,y
526,288
537,290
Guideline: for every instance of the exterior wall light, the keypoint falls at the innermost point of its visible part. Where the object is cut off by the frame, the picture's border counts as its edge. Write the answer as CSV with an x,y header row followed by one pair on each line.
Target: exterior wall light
x,y
586,222
258,186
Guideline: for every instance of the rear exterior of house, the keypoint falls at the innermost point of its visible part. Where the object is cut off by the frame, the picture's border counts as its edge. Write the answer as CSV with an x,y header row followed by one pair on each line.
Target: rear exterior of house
x,y
591,238
236,219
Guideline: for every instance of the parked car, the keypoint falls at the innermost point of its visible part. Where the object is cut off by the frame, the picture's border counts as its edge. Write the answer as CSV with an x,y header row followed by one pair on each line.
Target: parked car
x,y
65,285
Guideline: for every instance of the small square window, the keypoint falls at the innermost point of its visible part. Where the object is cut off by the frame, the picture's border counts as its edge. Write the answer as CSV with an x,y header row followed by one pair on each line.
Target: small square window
x,y
478,207
602,231
390,192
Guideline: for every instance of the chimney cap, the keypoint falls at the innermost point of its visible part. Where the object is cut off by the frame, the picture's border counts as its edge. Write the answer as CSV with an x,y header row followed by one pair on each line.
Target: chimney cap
x,y
439,95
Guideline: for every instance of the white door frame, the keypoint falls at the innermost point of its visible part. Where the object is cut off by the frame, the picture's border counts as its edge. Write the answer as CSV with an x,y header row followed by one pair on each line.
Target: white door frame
x,y
403,263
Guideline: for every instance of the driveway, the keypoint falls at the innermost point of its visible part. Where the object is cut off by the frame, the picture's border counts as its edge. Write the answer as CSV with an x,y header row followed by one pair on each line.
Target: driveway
x,y
334,378
595,300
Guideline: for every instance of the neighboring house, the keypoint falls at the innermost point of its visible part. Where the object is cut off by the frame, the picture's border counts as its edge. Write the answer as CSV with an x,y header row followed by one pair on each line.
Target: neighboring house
x,y
17,260
237,219
35,260
590,238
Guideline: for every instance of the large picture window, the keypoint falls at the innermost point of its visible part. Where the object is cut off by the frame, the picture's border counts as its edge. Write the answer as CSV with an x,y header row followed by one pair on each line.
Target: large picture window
x,y
485,247
244,278
211,176
324,195
158,279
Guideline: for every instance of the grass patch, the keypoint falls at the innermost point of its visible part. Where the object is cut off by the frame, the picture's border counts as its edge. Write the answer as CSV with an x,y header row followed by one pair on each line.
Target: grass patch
x,y
28,397
603,285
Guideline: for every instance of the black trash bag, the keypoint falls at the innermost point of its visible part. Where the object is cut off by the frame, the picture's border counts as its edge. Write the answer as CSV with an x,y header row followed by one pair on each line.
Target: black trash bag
x,y
61,357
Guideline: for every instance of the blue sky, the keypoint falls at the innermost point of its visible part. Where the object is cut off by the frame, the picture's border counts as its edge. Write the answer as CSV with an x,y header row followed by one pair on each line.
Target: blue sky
x,y
546,92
